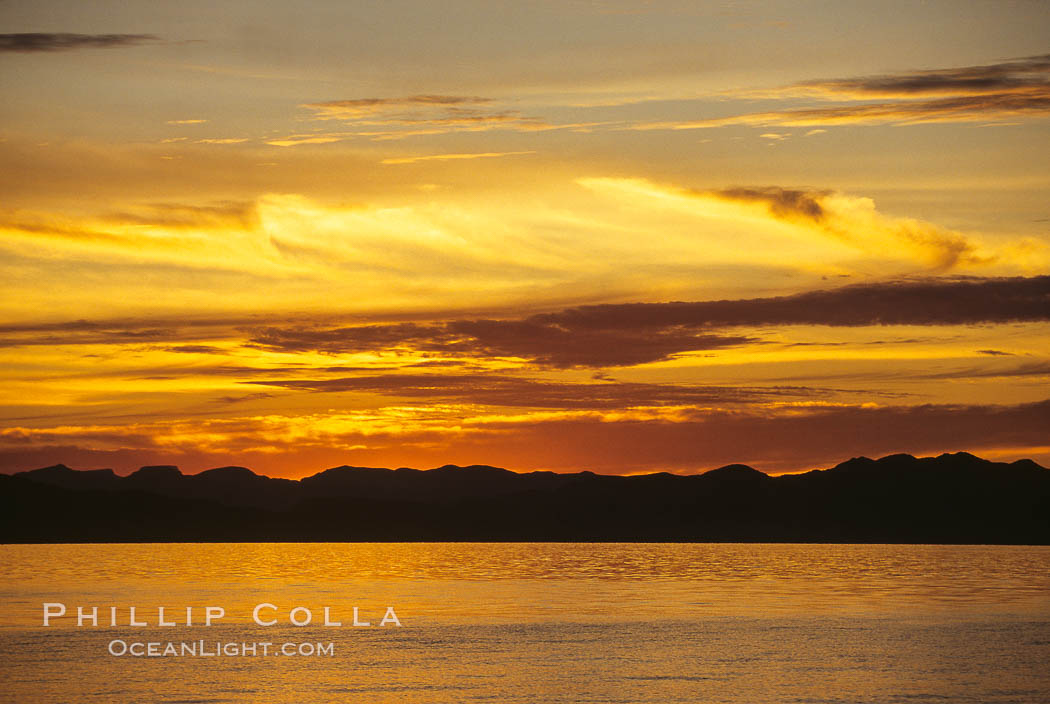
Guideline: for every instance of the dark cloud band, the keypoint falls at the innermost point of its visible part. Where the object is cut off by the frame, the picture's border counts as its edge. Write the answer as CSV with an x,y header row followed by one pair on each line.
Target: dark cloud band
x,y
1019,76
28,42
972,93
600,335
636,333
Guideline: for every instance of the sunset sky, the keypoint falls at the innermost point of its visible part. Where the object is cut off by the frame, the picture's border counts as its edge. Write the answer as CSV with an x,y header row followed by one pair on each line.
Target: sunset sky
x,y
621,236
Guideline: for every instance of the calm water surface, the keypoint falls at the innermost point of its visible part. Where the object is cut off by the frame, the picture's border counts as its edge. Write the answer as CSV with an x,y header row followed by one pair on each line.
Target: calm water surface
x,y
536,623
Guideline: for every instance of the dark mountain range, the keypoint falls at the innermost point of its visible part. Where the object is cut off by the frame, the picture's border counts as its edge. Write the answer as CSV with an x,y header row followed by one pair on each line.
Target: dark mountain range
x,y
953,498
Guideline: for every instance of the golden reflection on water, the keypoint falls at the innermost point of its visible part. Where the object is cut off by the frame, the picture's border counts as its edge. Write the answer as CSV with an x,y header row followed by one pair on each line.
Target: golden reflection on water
x,y
486,561
540,623
530,582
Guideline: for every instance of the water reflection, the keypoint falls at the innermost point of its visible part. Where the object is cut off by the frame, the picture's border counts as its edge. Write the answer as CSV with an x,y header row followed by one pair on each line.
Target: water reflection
x,y
529,623
484,582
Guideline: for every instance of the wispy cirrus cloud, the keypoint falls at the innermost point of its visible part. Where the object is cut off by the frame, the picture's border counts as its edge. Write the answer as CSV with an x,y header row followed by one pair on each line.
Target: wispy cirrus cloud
x,y
453,157
982,93
358,108
30,42
295,140
981,108
188,215
142,228
682,243
399,117
388,119
991,92
438,127
223,140
187,330
1038,368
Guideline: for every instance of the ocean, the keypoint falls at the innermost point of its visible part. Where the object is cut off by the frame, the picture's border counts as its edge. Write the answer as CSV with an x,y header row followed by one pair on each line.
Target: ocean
x,y
525,622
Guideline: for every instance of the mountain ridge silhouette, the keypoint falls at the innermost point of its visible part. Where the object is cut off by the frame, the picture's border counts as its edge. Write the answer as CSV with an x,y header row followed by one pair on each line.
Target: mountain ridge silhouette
x,y
952,498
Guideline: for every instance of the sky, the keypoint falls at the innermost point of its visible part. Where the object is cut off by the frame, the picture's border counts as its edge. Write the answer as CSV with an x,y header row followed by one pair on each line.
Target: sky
x,y
610,235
